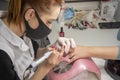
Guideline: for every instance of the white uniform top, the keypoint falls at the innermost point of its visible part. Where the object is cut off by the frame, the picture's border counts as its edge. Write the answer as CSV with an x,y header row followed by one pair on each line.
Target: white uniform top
x,y
20,50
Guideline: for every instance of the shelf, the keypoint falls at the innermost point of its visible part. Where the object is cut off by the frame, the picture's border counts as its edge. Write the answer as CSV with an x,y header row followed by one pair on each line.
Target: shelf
x,y
82,0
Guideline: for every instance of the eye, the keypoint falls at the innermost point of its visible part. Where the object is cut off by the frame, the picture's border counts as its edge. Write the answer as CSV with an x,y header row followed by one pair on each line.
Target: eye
x,y
49,22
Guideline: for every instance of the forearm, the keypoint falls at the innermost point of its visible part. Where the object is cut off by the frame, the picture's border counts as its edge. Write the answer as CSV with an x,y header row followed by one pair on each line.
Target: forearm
x,y
104,52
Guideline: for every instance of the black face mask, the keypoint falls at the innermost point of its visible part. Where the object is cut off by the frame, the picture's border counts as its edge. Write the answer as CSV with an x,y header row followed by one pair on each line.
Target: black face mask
x,y
38,33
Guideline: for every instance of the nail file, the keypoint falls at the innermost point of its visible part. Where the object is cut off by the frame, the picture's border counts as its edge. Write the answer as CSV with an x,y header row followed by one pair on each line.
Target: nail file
x,y
40,60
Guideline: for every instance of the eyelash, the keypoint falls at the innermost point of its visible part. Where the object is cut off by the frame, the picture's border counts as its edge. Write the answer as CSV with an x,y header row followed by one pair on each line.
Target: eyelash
x,y
49,22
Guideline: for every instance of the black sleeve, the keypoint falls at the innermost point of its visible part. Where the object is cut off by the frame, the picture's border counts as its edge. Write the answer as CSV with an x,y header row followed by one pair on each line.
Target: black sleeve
x,y
35,46
7,71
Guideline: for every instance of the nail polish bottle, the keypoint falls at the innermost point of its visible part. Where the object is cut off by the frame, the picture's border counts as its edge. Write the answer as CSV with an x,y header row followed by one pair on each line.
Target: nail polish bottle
x,y
61,33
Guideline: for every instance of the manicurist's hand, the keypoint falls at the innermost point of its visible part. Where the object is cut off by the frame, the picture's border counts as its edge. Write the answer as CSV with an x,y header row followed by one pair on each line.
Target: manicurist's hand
x,y
54,59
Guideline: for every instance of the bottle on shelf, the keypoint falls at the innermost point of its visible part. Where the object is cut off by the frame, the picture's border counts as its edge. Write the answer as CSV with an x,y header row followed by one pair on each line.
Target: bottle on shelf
x,y
61,33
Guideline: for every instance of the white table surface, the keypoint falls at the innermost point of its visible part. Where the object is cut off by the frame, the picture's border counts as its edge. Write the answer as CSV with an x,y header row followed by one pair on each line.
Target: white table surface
x,y
90,37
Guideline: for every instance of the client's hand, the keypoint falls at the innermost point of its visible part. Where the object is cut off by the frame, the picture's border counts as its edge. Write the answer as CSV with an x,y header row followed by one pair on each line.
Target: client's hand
x,y
79,52
68,43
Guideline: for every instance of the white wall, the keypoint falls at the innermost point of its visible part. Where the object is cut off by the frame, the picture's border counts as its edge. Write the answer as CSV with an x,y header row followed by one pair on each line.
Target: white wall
x,y
117,13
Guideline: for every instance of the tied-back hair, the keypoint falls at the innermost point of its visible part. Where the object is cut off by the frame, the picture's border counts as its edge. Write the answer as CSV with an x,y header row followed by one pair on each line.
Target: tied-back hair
x,y
16,8
14,11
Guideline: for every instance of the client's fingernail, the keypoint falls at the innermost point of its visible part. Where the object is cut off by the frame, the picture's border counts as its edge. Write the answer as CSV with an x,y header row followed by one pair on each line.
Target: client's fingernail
x,y
54,47
64,47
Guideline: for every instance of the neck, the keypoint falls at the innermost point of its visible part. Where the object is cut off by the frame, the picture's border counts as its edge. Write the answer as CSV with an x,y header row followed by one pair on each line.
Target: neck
x,y
17,29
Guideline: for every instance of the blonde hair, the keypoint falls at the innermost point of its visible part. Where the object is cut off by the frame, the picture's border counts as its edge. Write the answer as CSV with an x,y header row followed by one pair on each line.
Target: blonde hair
x,y
16,8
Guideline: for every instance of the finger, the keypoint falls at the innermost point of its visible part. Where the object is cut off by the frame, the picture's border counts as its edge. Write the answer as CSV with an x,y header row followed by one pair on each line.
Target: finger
x,y
71,55
62,51
71,50
54,47
72,42
61,41
64,42
73,59
67,42
55,51
58,45
50,49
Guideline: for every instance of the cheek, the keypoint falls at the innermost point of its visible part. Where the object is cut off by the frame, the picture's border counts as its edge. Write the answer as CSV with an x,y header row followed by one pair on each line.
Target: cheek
x,y
55,10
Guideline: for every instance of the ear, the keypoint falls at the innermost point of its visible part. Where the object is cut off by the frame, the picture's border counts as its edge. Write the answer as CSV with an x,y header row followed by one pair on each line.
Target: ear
x,y
29,14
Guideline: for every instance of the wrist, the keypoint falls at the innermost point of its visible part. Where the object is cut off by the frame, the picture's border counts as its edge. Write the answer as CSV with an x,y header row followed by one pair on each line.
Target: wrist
x,y
46,65
41,72
90,51
87,50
